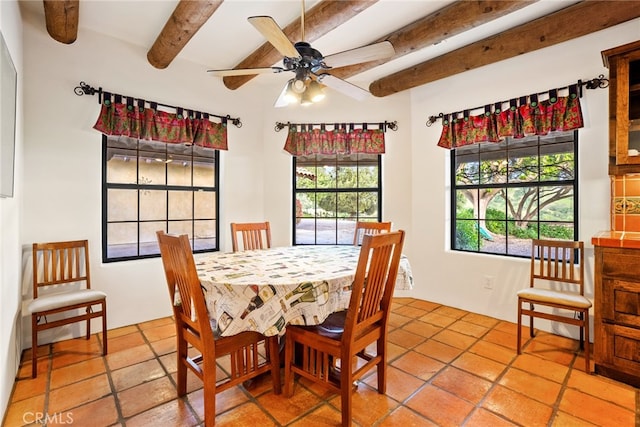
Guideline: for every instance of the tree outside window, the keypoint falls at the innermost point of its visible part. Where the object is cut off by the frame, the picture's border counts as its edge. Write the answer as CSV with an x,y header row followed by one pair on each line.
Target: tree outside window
x,y
331,193
507,193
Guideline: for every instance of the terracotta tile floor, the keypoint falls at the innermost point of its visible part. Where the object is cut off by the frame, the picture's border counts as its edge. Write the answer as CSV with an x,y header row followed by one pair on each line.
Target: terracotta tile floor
x,y
448,367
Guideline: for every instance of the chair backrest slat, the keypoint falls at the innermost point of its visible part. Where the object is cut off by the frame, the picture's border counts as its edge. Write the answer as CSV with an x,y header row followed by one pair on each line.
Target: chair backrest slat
x,y
76,257
47,271
252,239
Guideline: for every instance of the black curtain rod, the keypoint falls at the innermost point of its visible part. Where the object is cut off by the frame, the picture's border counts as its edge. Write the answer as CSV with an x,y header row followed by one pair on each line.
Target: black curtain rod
x,y
85,89
385,125
595,83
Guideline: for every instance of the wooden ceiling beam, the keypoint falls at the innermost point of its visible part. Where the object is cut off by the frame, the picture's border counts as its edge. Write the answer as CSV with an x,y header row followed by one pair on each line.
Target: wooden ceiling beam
x,y
61,18
319,20
447,22
185,21
571,22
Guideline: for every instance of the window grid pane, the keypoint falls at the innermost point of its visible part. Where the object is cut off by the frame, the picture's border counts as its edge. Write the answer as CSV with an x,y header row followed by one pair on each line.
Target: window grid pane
x,y
151,186
506,194
333,192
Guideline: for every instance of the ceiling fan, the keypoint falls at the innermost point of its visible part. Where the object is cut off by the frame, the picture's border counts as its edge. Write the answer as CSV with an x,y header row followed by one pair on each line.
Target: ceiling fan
x,y
311,68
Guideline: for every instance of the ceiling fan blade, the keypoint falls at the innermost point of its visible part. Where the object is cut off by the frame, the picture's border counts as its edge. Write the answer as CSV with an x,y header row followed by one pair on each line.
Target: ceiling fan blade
x,y
344,87
367,53
282,100
245,71
274,34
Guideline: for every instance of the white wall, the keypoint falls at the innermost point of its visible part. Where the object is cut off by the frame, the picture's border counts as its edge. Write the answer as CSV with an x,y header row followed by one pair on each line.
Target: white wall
x,y
455,278
10,240
62,170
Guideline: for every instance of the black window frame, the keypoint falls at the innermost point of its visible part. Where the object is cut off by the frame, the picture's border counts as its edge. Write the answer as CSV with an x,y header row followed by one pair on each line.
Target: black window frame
x,y
106,186
455,187
377,190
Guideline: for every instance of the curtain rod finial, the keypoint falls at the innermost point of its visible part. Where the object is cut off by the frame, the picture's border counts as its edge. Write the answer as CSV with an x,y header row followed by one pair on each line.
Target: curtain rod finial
x,y
433,119
595,83
279,126
85,89
236,121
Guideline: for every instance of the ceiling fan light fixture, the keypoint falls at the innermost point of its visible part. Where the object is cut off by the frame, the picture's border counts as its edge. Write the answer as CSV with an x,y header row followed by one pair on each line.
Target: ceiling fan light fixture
x,y
291,96
315,91
306,99
298,85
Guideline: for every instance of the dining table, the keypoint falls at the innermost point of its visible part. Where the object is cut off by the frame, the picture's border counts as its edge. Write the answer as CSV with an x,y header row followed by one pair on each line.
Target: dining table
x,y
267,289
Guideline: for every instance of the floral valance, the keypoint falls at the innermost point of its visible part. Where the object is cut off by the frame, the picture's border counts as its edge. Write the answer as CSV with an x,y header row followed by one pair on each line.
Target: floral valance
x,y
310,139
145,122
521,117
122,115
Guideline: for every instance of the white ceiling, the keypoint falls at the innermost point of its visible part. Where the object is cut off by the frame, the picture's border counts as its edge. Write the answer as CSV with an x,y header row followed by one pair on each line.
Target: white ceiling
x,y
227,37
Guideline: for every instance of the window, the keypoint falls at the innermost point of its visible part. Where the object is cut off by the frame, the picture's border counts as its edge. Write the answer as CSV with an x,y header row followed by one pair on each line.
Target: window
x,y
150,186
331,193
505,194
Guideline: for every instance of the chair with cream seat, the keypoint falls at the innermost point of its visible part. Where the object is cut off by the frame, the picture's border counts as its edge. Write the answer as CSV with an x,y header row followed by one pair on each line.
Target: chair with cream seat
x,y
557,283
61,287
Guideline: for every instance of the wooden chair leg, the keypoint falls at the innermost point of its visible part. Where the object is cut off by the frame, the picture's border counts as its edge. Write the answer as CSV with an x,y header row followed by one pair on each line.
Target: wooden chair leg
x,y
181,381
34,346
209,380
288,358
88,327
104,328
519,332
581,317
587,363
346,390
531,334
273,352
382,365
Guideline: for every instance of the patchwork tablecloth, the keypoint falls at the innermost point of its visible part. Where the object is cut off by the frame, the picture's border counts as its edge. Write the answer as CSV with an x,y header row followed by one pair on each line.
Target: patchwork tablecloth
x,y
265,290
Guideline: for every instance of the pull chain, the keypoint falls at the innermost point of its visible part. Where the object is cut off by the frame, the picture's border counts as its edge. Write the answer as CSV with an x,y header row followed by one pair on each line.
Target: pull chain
x,y
302,20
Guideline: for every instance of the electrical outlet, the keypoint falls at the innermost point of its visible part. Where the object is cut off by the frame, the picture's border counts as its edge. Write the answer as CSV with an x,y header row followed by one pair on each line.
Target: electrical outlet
x,y
487,282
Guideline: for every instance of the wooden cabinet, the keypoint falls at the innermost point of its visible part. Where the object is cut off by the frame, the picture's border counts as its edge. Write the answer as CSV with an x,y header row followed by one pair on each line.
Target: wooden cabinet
x,y
624,108
617,314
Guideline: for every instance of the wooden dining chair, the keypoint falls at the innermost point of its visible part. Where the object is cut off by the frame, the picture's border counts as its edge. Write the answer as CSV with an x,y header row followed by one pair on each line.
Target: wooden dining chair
x,y
61,287
255,235
366,227
194,331
556,283
313,351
